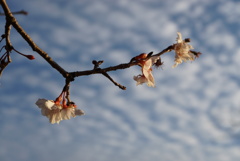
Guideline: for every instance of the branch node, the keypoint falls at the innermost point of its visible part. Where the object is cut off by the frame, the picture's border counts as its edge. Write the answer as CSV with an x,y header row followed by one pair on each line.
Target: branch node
x,y
150,54
97,63
187,40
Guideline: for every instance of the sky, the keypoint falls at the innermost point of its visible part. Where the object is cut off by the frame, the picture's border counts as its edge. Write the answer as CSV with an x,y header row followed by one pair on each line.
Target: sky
x,y
193,113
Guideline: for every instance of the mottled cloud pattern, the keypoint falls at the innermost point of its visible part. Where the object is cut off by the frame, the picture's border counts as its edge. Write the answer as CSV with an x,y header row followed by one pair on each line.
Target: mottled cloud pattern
x,y
193,113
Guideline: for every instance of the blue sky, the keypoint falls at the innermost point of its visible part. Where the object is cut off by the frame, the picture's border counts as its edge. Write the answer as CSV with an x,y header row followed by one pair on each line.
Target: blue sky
x,y
192,114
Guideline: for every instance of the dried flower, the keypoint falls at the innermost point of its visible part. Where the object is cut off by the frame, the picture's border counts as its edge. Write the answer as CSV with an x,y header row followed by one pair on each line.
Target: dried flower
x,y
146,64
182,51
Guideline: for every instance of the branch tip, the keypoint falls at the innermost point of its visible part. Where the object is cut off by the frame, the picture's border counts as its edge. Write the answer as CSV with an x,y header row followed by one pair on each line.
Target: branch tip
x,y
97,63
114,82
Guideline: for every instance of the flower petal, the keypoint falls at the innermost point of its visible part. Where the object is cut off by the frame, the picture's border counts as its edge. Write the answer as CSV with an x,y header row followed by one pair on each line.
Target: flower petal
x,y
179,37
79,112
41,103
150,78
182,51
54,116
66,113
140,79
56,113
50,104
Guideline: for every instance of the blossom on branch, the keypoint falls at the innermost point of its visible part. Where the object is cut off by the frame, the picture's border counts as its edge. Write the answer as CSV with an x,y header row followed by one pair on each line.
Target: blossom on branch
x,y
182,50
146,64
56,111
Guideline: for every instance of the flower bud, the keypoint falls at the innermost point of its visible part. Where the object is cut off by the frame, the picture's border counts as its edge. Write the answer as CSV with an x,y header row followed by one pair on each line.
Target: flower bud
x,y
30,57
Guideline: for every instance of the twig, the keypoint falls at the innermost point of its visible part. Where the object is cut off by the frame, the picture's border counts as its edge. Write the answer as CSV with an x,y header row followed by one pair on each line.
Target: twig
x,y
22,12
96,67
116,84
117,67
11,20
102,70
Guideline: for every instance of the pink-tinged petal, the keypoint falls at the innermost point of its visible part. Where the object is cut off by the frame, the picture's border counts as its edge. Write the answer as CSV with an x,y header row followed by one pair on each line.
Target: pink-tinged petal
x,y
67,113
56,113
50,104
147,70
179,37
140,79
150,78
55,116
44,111
149,63
177,61
79,112
147,76
41,103
182,51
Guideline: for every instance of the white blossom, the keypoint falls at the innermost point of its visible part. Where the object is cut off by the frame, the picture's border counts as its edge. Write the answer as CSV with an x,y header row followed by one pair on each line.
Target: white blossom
x,y
146,76
56,113
182,51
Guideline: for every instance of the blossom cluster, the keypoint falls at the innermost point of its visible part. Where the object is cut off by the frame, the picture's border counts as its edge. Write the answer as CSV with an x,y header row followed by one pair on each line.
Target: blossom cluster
x,y
56,111
182,53
146,64
60,109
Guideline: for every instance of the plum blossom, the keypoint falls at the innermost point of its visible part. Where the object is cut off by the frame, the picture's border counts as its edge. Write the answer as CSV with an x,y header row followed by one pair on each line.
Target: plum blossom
x,y
56,112
146,64
182,51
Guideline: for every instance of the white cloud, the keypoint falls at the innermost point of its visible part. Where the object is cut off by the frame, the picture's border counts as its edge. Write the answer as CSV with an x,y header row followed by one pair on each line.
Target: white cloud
x,y
188,116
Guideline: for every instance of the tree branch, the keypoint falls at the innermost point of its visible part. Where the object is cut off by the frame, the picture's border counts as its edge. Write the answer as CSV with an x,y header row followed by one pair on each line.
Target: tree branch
x,y
12,20
117,67
22,12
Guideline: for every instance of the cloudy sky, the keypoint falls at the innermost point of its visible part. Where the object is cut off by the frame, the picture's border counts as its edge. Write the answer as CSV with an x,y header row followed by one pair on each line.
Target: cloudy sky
x,y
193,113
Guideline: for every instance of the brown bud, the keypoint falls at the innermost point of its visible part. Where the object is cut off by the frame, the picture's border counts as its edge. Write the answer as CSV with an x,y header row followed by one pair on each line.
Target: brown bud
x,y
158,63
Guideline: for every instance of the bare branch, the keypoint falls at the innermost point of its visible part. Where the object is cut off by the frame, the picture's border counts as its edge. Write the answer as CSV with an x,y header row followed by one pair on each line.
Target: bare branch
x,y
145,61
114,82
22,12
11,20
117,67
96,67
99,71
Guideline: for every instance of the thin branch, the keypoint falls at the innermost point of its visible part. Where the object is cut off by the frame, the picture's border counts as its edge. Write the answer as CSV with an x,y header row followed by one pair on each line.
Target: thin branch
x,y
114,82
66,89
99,71
22,12
5,59
12,20
8,46
168,49
117,67
96,67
